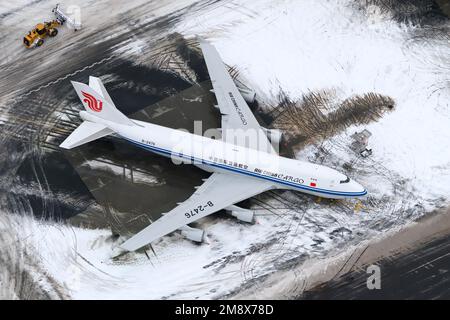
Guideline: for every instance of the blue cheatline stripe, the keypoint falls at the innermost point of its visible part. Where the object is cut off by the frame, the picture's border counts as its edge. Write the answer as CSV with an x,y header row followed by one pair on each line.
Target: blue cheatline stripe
x,y
229,168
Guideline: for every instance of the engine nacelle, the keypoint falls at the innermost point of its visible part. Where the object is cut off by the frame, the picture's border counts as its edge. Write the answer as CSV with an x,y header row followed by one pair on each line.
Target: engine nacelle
x,y
241,214
193,234
274,135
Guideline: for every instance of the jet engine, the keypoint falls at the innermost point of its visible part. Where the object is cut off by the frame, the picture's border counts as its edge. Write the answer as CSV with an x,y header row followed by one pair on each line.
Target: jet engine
x,y
193,234
241,214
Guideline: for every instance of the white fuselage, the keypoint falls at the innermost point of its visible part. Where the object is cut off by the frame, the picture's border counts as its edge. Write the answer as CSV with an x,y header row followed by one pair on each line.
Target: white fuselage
x,y
219,156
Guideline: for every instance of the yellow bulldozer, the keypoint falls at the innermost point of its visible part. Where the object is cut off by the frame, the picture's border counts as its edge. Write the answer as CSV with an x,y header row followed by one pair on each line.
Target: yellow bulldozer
x,y
35,38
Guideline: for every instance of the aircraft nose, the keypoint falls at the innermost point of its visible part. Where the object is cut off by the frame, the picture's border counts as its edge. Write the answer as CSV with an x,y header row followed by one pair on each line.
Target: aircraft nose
x,y
359,188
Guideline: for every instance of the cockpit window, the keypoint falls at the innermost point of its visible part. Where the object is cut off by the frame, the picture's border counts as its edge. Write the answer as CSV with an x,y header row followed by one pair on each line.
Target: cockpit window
x,y
347,180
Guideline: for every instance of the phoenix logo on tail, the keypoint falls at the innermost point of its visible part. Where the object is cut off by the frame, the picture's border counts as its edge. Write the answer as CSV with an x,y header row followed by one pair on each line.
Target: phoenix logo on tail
x,y
93,104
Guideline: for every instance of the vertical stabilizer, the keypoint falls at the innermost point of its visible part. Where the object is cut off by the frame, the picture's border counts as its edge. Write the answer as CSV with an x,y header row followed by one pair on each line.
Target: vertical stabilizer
x,y
98,105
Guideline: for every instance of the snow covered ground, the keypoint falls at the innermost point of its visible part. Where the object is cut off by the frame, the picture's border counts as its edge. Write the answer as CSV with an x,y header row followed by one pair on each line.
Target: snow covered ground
x,y
304,46
301,47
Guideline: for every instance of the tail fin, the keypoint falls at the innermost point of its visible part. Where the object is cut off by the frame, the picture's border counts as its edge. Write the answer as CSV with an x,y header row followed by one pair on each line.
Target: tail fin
x,y
97,84
96,101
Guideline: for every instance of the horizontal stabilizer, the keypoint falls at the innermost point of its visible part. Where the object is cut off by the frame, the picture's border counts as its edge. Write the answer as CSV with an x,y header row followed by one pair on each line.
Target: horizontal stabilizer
x,y
86,132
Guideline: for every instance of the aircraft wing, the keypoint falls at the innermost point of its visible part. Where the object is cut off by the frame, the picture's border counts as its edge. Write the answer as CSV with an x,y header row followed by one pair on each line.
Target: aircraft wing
x,y
238,120
217,192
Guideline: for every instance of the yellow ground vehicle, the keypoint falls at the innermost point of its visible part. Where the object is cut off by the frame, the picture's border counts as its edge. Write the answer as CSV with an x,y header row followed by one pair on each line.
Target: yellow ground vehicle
x,y
36,36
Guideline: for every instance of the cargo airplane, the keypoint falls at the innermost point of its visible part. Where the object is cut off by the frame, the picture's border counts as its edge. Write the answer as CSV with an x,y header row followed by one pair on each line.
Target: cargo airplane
x,y
243,161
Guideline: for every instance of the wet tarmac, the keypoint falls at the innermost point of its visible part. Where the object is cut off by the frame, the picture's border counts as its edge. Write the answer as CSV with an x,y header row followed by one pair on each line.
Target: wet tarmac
x,y
112,183
422,273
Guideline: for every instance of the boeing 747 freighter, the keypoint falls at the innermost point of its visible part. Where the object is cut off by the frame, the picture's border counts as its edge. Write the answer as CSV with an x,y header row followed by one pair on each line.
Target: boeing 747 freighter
x,y
243,162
